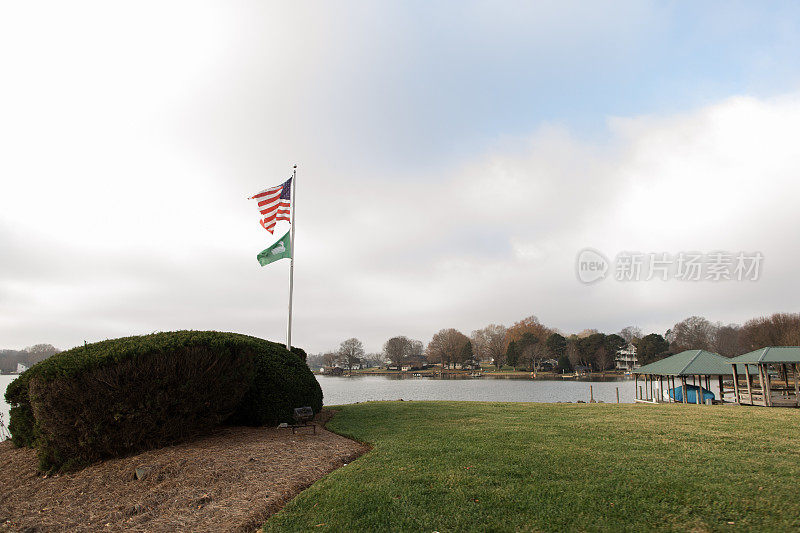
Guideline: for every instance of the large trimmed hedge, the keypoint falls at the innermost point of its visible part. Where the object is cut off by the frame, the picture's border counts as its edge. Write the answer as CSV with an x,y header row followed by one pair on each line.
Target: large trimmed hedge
x,y
119,396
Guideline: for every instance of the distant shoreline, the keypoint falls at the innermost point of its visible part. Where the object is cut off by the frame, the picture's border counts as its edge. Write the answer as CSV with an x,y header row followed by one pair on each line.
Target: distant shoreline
x,y
475,374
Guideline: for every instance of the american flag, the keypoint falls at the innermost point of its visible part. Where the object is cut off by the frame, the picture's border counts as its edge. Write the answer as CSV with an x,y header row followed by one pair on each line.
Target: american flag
x,y
274,204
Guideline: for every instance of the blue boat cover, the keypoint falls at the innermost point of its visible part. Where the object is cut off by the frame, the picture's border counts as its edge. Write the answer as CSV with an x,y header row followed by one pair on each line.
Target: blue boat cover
x,y
691,394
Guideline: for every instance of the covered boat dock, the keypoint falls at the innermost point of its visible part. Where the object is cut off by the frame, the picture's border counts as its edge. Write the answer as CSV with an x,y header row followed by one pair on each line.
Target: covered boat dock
x,y
699,366
778,371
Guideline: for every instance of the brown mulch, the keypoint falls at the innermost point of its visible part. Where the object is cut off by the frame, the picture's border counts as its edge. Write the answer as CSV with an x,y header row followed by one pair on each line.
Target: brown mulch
x,y
232,480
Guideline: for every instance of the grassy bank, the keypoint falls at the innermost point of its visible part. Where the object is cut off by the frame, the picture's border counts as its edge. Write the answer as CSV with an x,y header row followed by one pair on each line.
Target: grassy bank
x,y
449,466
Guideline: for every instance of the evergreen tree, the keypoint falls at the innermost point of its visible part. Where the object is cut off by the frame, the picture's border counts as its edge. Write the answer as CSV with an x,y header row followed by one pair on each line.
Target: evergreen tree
x,y
512,354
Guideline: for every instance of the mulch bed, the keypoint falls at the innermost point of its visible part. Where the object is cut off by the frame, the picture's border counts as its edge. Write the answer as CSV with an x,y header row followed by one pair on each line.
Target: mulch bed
x,y
231,480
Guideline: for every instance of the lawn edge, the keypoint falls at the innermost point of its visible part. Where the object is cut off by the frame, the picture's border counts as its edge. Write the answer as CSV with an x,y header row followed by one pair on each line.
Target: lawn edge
x,y
322,419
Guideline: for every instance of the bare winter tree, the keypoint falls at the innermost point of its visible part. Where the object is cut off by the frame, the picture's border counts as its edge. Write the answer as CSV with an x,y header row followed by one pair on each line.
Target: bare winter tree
x,y
350,352
489,343
42,350
372,360
604,358
417,349
693,333
479,345
539,353
526,347
726,340
631,334
330,358
529,325
397,349
402,349
780,329
446,346
38,352
29,356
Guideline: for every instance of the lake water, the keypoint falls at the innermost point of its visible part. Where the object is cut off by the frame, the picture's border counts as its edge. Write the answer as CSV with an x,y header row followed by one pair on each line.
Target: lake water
x,y
4,381
342,390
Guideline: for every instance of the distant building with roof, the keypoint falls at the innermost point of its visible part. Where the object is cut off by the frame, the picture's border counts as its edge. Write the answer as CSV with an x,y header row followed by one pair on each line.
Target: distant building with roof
x,y
626,359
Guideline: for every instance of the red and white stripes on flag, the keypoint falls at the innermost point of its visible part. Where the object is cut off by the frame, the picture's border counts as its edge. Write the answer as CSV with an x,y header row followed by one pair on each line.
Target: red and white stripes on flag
x,y
274,204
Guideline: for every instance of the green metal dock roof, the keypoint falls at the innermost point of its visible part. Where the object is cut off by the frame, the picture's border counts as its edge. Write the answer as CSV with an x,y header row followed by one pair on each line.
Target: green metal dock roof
x,y
770,354
689,363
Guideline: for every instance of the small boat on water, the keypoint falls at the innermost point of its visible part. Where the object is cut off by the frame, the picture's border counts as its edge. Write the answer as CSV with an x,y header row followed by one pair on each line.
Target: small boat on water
x,y
691,394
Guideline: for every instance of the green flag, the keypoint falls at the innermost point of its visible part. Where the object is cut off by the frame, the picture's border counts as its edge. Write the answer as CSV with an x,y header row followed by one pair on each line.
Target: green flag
x,y
281,249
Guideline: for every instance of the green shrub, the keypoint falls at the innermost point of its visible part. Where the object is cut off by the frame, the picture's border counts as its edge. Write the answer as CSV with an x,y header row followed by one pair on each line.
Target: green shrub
x,y
300,352
283,382
21,426
21,422
118,396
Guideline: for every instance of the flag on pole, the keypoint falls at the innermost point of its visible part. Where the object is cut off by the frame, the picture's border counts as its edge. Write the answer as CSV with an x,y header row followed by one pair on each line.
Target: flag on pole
x,y
280,250
274,204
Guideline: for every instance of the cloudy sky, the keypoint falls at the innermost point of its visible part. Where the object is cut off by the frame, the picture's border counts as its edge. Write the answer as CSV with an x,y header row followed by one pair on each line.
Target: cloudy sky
x,y
454,158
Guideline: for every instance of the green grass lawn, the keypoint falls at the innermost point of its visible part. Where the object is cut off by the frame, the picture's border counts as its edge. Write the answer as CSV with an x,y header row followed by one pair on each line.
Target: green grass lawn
x,y
452,466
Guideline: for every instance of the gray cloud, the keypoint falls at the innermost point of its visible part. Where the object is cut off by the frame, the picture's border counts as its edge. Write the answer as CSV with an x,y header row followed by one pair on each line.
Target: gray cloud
x,y
432,191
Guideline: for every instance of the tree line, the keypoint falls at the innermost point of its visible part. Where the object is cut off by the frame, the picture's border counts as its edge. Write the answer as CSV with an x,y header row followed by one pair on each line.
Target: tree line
x,y
729,340
28,356
530,345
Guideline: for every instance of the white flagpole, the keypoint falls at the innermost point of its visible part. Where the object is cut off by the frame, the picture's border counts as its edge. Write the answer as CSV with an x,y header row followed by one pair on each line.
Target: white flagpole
x,y
291,259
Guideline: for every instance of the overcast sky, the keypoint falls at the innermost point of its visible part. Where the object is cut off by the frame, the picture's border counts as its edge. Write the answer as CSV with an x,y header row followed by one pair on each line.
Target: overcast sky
x,y
454,158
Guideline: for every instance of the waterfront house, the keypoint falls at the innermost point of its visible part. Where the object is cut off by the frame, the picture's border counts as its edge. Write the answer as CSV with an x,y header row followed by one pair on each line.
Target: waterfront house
x,y
343,365
582,369
625,359
552,363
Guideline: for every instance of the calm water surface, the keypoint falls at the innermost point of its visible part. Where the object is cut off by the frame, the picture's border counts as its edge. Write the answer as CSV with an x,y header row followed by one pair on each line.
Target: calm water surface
x,y
342,390
4,381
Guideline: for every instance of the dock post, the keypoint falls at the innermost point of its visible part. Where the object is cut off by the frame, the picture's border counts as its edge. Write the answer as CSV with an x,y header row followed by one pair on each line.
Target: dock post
x,y
748,377
762,382
617,394
699,390
683,389
660,389
591,394
796,384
